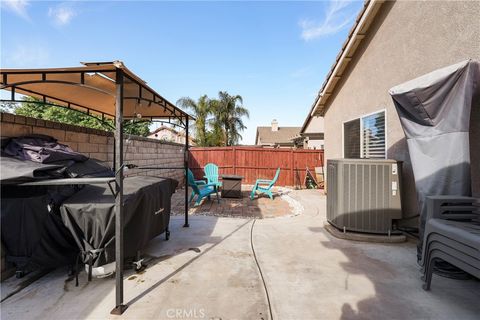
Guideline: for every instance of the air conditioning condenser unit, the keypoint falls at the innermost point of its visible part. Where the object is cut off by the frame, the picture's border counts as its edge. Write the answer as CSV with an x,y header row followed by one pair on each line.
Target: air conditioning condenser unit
x,y
363,195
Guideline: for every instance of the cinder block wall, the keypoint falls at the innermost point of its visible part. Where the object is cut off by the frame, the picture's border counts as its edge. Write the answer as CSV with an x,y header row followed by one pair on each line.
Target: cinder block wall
x,y
98,144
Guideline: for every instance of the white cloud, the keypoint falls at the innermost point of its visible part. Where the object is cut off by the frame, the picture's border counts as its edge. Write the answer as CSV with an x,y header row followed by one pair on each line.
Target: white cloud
x,y
26,55
19,7
61,14
301,72
338,16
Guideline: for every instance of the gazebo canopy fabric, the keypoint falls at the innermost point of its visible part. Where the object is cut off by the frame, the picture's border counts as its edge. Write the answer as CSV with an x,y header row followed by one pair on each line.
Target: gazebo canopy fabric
x,y
91,88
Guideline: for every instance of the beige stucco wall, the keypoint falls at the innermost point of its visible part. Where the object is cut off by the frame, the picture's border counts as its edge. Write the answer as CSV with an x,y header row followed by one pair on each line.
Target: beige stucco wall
x,y
314,144
315,125
407,39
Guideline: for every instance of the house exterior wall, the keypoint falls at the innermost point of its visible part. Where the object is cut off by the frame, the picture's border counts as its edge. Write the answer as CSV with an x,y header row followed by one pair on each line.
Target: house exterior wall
x,y
273,146
406,40
315,125
312,143
168,136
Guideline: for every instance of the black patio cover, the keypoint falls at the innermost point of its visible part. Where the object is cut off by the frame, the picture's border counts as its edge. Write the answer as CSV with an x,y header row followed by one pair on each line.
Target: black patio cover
x,y
90,216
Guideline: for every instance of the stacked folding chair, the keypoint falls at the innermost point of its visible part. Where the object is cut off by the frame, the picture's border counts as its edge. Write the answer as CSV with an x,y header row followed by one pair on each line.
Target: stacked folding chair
x,y
452,234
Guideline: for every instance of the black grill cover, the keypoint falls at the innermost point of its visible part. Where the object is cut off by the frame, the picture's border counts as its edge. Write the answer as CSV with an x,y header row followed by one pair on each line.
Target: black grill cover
x,y
14,171
34,236
90,216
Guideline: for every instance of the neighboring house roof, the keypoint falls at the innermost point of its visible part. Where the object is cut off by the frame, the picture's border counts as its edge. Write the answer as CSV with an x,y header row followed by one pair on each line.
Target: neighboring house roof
x,y
284,135
161,128
355,37
173,131
313,135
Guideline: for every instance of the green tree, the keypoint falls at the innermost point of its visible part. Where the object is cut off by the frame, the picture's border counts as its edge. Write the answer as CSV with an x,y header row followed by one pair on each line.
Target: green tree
x,y
202,110
218,121
137,127
229,115
32,108
216,136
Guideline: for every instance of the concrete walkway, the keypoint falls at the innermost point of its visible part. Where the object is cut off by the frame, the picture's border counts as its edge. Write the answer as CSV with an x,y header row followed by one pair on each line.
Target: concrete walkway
x,y
208,272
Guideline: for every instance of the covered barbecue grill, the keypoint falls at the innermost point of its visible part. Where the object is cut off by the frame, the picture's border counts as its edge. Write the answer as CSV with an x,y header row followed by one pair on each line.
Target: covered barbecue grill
x,y
434,111
105,90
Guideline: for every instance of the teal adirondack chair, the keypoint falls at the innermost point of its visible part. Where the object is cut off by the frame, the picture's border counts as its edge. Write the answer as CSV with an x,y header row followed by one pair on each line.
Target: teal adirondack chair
x,y
211,174
265,186
201,189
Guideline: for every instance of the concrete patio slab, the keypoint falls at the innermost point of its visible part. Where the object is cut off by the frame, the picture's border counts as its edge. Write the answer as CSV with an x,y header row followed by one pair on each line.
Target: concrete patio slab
x,y
208,271
312,275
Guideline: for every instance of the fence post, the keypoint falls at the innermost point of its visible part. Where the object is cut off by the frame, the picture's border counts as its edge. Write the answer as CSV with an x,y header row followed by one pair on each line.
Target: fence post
x,y
292,160
234,160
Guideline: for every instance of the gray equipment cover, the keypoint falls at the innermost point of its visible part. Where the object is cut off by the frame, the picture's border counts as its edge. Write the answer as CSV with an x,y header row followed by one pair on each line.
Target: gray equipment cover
x,y
434,111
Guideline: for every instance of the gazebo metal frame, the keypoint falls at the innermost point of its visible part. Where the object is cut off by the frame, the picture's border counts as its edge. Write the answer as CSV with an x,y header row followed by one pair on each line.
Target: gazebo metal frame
x,y
103,87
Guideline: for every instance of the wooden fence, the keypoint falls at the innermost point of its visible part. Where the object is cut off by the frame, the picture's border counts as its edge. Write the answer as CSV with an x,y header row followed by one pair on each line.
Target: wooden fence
x,y
258,163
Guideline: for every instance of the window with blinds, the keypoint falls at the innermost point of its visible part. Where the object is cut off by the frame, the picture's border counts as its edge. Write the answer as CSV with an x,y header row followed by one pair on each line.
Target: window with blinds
x,y
373,136
365,137
351,139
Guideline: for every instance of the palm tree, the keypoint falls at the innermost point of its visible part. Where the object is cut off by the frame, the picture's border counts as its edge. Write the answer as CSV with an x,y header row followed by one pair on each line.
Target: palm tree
x,y
201,110
229,113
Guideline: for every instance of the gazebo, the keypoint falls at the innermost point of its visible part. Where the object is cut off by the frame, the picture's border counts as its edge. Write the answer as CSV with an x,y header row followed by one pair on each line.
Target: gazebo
x,y
104,90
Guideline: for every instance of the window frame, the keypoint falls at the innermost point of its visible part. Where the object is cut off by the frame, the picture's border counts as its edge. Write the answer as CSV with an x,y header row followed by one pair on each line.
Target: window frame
x,y
343,134
384,110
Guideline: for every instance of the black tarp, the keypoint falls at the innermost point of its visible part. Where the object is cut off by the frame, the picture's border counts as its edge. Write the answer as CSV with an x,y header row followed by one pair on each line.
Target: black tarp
x,y
40,228
15,171
90,216
33,233
39,157
32,230
434,111
42,149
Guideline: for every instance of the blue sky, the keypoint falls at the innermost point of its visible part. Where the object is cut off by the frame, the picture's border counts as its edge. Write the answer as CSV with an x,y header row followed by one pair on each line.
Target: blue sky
x,y
274,54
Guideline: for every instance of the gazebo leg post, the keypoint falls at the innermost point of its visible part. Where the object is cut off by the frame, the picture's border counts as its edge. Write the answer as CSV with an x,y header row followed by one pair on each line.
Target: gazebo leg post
x,y
119,246
119,310
186,225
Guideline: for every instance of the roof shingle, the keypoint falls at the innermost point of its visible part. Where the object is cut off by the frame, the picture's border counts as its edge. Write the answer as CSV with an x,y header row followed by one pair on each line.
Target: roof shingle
x,y
283,135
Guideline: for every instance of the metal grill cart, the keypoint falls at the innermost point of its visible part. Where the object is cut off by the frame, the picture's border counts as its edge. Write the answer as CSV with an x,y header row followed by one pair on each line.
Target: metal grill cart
x,y
104,90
